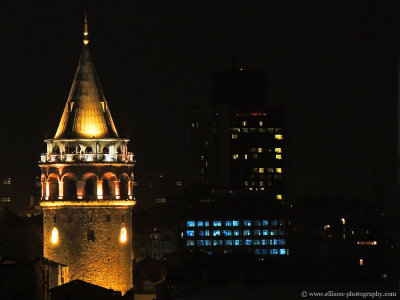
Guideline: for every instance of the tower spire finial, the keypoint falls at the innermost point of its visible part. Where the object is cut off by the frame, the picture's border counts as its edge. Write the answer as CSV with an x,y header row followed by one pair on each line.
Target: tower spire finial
x,y
85,31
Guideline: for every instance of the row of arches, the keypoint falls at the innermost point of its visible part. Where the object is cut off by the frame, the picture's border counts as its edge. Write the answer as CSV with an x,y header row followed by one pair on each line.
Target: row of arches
x,y
88,187
98,147
88,150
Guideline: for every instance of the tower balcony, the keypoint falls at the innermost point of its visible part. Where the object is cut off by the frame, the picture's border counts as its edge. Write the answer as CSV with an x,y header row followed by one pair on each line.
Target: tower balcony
x,y
87,157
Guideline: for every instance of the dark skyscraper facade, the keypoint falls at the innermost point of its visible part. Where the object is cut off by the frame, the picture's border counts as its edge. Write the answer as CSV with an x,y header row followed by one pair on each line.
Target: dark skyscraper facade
x,y
239,143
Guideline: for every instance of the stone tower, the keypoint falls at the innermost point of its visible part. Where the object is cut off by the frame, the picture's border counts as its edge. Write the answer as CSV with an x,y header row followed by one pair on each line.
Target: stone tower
x,y
87,176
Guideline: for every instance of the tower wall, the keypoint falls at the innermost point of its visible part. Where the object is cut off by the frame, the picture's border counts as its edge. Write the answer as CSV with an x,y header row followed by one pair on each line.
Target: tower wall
x,y
104,261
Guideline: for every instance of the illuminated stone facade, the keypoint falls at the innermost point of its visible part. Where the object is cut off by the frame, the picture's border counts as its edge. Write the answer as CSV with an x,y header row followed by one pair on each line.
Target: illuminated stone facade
x,y
87,181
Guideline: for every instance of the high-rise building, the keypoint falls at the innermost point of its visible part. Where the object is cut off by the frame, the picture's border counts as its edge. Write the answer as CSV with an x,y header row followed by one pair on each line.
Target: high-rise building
x,y
87,181
239,144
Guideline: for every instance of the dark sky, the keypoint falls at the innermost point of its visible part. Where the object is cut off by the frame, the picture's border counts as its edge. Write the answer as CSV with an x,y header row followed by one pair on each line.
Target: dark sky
x,y
334,66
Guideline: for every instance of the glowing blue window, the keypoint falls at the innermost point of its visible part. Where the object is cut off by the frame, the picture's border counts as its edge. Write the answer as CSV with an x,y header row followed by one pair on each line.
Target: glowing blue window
x,y
265,232
236,232
248,242
189,243
207,242
257,232
235,223
181,234
200,223
256,242
237,242
206,223
282,251
216,232
190,224
190,232
228,223
217,242
274,242
227,232
263,242
282,222
273,232
246,232
228,242
281,242
274,222
209,253
273,251
247,223
201,233
257,223
257,251
200,243
264,252
207,232
264,222
217,223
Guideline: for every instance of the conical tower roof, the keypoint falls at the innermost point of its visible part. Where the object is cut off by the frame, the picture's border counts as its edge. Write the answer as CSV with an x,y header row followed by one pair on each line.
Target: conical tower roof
x,y
86,113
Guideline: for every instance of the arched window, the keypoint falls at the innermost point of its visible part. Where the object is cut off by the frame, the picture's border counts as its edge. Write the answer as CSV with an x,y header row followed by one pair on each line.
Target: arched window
x,y
119,150
71,150
56,150
107,189
90,188
106,150
89,150
69,189
53,185
123,187
90,235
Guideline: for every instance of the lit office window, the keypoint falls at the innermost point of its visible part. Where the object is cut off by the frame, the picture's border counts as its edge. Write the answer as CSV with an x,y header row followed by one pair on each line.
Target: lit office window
x,y
264,222
190,224
235,223
248,242
283,252
273,251
190,232
200,243
207,242
201,233
217,242
256,223
279,197
261,130
260,150
189,243
275,242
265,232
236,232
245,130
278,170
255,170
270,130
264,242
247,223
278,150
257,251
206,223
228,223
234,136
270,170
246,183
245,156
217,223
261,170
200,223
281,242
237,242
246,232
257,232
228,243
261,183
278,136
278,156
260,123
235,156
255,156
244,123
227,232
273,232
207,232
216,232
256,242
264,251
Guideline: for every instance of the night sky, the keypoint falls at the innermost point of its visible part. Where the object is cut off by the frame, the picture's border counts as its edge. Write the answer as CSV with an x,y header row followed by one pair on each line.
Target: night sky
x,y
333,65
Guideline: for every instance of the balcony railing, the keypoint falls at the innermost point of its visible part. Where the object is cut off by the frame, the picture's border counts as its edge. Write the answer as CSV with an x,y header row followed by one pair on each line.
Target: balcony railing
x,y
87,157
